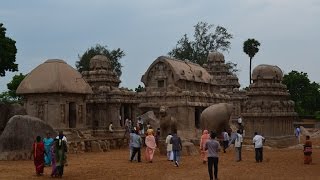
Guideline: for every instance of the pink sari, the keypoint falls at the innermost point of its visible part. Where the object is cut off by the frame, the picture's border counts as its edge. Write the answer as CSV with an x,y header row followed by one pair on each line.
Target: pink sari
x,y
151,146
204,138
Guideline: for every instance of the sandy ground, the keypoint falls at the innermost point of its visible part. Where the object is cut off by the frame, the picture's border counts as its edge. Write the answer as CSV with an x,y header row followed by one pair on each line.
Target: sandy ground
x,y
278,164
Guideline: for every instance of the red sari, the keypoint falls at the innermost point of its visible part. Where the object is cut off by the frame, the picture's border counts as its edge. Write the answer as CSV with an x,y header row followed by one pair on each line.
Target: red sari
x,y
307,151
38,154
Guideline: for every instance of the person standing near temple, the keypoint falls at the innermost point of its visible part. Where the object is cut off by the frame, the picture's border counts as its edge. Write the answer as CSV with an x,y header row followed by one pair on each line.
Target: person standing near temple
x,y
151,146
238,146
176,147
38,155
213,148
297,133
111,129
169,148
258,141
47,141
204,153
225,141
136,146
307,151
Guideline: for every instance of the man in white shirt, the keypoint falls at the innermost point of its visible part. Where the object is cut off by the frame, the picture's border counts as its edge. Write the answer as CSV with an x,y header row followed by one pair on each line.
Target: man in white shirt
x,y
258,141
111,128
240,121
238,146
225,136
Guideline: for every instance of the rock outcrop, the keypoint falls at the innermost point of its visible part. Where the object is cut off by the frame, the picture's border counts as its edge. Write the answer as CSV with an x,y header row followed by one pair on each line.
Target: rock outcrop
x,y
19,134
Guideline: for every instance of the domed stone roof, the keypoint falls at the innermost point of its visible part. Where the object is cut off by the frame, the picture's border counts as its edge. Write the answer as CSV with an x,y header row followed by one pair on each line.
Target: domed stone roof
x,y
100,62
54,76
215,56
265,71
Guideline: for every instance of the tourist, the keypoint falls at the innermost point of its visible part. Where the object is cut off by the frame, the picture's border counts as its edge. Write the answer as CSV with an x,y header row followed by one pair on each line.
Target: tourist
x,y
53,159
64,138
307,151
148,125
176,147
169,148
60,154
258,141
131,145
111,128
38,155
136,146
47,141
239,121
157,137
297,133
225,141
203,153
238,145
213,147
151,146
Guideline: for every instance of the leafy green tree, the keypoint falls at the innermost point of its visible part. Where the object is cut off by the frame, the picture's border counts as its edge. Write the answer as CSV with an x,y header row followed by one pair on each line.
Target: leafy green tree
x,y
114,56
8,53
251,47
207,38
139,89
305,94
13,85
10,96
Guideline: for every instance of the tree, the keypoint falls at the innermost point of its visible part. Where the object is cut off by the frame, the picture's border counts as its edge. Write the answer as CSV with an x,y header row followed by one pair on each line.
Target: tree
x,y
10,96
13,85
305,94
197,50
139,89
251,47
114,56
8,53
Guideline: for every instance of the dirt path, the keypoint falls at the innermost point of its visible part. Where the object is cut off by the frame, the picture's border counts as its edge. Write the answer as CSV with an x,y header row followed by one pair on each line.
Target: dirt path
x,y
278,164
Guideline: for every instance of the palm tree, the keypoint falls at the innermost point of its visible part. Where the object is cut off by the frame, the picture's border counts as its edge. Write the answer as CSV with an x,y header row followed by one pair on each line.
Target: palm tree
x,y
250,47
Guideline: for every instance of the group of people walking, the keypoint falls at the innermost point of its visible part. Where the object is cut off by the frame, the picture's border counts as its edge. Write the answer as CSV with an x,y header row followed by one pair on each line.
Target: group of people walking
x,y
50,152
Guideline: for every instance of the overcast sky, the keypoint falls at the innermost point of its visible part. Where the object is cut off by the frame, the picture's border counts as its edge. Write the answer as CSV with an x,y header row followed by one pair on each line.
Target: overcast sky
x,y
288,30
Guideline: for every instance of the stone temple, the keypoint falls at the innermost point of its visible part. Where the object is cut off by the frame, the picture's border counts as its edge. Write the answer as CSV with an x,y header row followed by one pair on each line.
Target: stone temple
x,y
176,92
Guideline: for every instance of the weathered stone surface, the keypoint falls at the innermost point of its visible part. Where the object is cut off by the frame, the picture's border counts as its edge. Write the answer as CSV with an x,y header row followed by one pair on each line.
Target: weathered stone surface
x,y
150,118
7,111
189,149
20,133
95,147
216,117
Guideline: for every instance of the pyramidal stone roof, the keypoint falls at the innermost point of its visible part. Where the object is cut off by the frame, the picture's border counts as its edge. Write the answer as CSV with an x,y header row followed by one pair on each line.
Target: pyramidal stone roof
x,y
54,76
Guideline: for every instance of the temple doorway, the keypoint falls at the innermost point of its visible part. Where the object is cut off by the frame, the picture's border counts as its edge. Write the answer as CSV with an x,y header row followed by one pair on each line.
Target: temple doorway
x,y
197,114
72,115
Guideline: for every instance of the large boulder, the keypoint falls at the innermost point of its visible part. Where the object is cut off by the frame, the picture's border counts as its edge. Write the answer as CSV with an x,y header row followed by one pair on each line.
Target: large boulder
x,y
19,134
216,117
150,118
7,111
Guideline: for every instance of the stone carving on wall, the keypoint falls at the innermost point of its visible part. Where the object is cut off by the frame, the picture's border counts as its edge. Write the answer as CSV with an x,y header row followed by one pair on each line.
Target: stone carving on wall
x,y
80,113
41,111
62,112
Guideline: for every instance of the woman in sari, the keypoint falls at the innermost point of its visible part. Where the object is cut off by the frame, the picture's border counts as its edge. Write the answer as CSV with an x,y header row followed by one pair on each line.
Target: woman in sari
x,y
307,150
38,155
53,160
47,146
151,146
203,153
60,158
